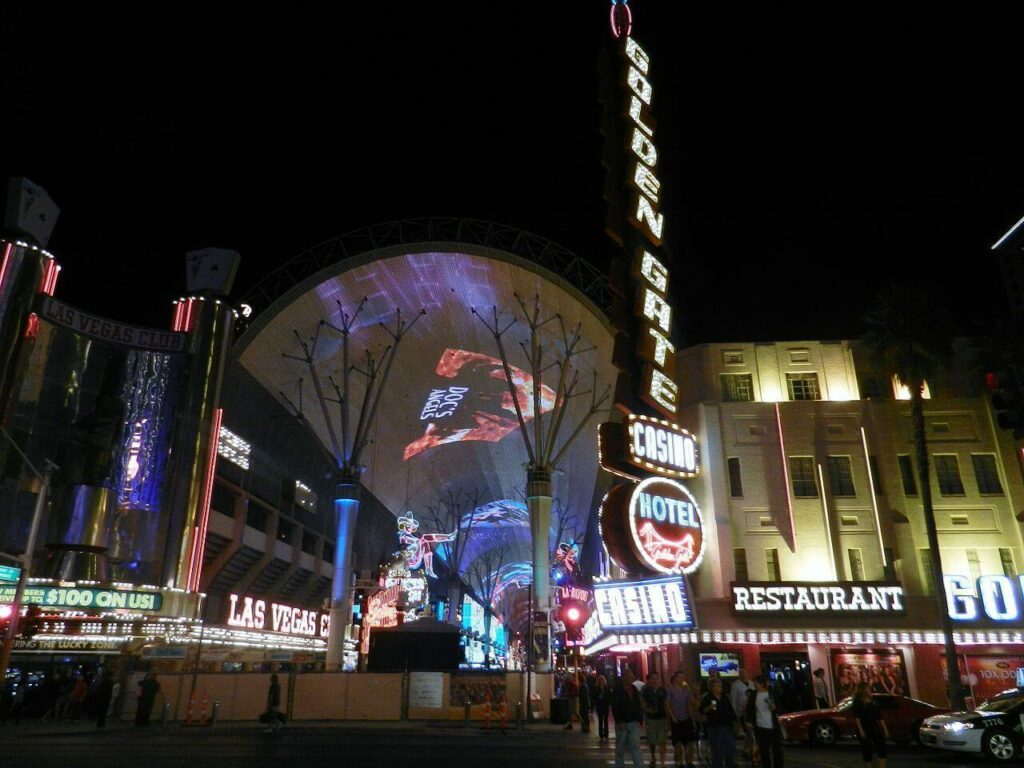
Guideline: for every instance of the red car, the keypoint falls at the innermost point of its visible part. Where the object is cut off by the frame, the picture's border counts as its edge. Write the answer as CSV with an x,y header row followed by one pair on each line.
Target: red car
x,y
902,717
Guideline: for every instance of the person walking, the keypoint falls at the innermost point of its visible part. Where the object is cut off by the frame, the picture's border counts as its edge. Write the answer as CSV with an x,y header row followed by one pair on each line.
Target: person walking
x,y
653,700
763,718
15,700
602,703
627,711
570,691
273,704
871,729
681,706
148,689
721,725
584,698
821,689
103,695
76,701
741,690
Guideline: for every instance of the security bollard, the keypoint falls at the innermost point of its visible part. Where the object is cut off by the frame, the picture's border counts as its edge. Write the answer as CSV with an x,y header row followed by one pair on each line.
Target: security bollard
x,y
165,714
519,715
213,715
465,722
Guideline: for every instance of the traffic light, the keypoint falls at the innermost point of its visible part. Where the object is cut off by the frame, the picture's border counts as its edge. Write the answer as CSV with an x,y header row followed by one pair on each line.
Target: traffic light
x,y
1007,400
573,614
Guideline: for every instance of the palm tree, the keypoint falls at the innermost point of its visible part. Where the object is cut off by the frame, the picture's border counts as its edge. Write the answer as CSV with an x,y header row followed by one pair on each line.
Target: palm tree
x,y
908,337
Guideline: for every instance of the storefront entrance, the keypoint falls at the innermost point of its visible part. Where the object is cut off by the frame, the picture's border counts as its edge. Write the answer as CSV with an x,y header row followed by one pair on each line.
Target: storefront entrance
x,y
789,679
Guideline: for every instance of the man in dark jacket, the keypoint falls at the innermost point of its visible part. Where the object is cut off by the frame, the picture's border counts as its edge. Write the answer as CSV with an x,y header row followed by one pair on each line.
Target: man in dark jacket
x,y
584,705
627,712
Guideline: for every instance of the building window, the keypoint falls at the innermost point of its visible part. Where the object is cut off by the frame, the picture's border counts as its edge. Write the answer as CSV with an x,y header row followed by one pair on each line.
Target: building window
x,y
328,552
947,470
256,516
735,479
801,472
285,531
739,560
876,476
309,542
1006,560
907,475
771,559
803,386
856,564
927,582
840,476
974,564
737,388
986,474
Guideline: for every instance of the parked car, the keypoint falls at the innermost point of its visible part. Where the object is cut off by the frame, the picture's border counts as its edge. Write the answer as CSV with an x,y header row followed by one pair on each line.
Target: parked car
x,y
993,729
903,717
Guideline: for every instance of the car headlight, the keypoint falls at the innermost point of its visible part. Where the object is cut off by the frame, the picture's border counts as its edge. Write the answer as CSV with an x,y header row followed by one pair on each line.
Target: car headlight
x,y
957,725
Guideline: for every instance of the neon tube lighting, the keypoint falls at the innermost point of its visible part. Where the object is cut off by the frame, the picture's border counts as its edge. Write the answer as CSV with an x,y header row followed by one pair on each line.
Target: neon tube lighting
x,y
828,527
199,542
1009,232
3,267
785,475
874,501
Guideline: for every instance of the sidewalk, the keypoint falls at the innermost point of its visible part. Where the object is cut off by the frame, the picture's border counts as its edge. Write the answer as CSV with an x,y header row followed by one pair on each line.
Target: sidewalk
x,y
33,728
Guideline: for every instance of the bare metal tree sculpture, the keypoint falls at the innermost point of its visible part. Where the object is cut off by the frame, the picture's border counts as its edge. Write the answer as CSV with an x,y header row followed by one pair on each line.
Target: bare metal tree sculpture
x,y
557,350
455,513
484,576
338,398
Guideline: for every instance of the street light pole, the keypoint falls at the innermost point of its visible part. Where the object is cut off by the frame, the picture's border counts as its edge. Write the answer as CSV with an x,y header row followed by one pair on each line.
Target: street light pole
x,y
26,558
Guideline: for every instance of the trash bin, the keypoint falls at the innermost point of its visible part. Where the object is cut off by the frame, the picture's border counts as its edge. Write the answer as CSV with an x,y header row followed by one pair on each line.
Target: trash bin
x,y
559,711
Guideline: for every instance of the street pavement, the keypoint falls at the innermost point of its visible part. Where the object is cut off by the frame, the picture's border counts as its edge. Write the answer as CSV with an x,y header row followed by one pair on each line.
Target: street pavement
x,y
357,744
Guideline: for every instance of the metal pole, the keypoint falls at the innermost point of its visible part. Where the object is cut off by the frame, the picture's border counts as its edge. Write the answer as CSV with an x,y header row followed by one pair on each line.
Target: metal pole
x,y
199,649
529,651
37,513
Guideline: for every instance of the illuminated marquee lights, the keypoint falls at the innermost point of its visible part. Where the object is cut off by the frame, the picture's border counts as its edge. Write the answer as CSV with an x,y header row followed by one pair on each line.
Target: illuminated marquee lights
x,y
998,598
233,448
647,444
654,604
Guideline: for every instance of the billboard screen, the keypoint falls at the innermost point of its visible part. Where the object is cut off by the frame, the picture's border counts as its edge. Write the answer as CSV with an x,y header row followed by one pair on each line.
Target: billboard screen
x,y
446,420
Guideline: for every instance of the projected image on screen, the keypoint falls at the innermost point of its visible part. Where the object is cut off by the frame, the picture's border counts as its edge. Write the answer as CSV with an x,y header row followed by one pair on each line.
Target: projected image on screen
x,y
477,404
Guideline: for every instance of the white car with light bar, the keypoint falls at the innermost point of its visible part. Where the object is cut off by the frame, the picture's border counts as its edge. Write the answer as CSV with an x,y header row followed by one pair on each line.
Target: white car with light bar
x,y
993,729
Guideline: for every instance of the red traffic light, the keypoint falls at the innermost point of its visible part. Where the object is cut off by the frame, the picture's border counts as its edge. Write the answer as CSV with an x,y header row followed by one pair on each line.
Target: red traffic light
x,y
992,381
573,614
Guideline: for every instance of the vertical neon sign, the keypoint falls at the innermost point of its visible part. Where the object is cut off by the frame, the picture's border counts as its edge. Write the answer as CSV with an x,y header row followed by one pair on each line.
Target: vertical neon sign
x,y
203,521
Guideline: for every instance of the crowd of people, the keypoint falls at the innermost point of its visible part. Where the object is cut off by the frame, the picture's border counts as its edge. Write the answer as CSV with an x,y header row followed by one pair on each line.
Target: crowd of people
x,y
60,697
721,724
71,695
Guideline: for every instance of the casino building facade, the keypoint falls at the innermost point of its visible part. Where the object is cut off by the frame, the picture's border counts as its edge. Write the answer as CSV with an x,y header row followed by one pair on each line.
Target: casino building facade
x,y
817,553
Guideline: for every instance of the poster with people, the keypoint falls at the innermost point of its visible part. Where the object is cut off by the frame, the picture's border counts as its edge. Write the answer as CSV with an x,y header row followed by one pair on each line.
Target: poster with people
x,y
883,671
989,675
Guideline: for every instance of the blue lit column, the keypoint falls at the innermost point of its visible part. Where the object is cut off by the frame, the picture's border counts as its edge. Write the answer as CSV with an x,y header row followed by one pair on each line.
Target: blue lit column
x,y
346,511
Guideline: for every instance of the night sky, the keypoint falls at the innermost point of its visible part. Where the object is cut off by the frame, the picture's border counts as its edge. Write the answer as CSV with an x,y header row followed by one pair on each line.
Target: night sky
x,y
810,153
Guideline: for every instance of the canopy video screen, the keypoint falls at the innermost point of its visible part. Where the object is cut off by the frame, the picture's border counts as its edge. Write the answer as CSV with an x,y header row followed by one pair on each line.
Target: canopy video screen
x,y
447,421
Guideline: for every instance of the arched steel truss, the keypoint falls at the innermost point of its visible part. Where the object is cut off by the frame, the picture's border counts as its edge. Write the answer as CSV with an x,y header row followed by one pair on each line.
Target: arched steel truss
x,y
579,273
